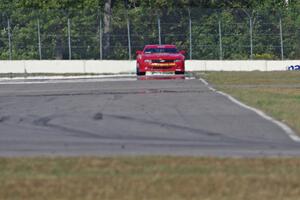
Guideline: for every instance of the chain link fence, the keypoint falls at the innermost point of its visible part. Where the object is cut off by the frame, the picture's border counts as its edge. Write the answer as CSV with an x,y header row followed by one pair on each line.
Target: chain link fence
x,y
202,33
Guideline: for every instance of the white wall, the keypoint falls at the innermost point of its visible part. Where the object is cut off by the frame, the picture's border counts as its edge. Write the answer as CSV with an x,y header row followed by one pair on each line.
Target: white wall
x,y
12,66
109,66
239,65
232,65
54,66
67,66
123,66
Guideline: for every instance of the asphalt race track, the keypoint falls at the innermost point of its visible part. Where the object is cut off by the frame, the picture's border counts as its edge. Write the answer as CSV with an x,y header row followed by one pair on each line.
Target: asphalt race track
x,y
131,117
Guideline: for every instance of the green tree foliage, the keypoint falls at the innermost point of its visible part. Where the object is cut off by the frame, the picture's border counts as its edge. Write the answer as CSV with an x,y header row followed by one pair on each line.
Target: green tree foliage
x,y
85,17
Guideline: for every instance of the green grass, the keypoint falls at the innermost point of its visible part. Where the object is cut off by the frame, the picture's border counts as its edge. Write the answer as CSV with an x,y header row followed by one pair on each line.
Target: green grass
x,y
252,78
149,178
275,93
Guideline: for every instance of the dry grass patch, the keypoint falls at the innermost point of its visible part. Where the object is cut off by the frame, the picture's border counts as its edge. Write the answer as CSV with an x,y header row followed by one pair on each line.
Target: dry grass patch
x,y
252,78
149,178
276,93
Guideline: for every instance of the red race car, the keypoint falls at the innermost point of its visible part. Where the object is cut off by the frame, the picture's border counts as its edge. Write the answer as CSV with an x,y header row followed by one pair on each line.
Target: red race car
x,y
160,58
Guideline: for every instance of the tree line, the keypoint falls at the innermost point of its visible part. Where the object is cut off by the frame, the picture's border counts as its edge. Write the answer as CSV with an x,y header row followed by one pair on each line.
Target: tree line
x,y
115,29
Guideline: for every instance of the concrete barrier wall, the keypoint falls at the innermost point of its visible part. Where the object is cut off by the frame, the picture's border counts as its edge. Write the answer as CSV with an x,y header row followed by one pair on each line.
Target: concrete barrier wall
x,y
239,65
54,66
12,67
123,66
109,66
277,66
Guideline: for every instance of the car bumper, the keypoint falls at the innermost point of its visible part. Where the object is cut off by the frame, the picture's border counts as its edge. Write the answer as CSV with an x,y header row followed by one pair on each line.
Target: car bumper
x,y
162,67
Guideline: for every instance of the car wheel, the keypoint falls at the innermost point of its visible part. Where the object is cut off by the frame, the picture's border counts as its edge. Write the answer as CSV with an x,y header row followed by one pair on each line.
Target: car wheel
x,y
179,72
141,73
138,73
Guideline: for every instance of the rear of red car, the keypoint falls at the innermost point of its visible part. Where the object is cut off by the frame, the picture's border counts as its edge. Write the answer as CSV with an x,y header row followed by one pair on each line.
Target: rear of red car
x,y
160,58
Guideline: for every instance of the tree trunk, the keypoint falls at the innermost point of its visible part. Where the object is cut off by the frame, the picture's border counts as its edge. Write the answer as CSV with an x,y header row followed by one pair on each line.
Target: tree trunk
x,y
58,48
107,27
59,44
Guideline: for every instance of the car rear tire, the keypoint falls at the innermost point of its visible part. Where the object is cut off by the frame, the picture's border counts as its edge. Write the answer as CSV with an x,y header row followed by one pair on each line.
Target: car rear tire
x,y
138,73
141,73
179,72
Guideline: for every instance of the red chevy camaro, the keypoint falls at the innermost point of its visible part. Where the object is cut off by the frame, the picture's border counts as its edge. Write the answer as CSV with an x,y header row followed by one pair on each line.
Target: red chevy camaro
x,y
160,58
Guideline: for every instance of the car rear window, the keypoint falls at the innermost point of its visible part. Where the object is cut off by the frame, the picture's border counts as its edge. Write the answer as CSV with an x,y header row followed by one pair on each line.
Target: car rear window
x,y
160,50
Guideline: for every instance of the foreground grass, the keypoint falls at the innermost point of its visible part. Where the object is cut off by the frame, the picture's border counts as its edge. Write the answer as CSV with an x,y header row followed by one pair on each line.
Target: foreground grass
x,y
276,93
149,178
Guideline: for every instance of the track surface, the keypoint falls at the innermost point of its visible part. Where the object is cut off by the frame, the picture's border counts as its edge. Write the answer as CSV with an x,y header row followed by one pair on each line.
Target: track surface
x,y
132,117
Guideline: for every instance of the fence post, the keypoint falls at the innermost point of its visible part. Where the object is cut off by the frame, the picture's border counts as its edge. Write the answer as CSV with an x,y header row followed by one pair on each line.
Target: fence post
x,y
159,30
69,39
281,38
220,41
9,39
190,30
100,37
128,36
251,38
39,39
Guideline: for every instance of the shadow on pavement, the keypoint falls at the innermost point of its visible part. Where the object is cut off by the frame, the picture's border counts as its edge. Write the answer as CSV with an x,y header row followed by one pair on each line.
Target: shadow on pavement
x,y
160,77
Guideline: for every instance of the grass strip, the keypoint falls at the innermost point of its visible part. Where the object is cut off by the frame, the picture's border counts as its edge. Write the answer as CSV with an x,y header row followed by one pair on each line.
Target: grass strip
x,y
149,178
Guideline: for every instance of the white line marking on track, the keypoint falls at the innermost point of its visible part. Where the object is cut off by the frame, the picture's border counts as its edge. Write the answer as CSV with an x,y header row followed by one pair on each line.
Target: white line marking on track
x,y
79,79
283,126
70,79
206,83
65,77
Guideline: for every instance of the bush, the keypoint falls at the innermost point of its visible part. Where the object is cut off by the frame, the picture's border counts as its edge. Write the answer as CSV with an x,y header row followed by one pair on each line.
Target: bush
x,y
264,56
